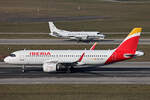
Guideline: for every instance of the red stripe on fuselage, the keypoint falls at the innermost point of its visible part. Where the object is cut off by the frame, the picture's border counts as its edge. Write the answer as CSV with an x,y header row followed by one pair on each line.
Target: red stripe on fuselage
x,y
127,47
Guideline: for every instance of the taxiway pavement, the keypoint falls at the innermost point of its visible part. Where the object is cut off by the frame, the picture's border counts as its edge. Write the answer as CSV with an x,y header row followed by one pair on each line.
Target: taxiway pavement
x,y
118,73
63,41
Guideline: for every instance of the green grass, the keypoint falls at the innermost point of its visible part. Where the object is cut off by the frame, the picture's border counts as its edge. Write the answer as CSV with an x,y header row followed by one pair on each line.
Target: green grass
x,y
26,36
24,27
74,92
132,0
4,51
122,16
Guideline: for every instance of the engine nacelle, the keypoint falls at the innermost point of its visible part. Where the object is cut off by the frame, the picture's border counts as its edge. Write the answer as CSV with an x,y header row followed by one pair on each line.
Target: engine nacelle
x,y
84,37
49,67
53,67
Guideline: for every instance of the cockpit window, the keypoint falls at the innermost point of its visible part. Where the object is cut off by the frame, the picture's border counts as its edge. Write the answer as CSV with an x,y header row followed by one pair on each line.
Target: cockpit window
x,y
12,55
98,33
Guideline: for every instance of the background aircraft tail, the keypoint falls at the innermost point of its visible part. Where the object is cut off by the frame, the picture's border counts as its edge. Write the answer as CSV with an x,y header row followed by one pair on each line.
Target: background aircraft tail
x,y
127,48
52,27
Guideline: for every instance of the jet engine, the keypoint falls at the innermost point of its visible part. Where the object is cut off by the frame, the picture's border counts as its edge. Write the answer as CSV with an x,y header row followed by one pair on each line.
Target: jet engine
x,y
53,67
79,37
84,37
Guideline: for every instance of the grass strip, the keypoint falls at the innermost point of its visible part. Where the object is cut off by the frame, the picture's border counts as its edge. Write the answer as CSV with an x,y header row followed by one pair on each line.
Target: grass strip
x,y
74,92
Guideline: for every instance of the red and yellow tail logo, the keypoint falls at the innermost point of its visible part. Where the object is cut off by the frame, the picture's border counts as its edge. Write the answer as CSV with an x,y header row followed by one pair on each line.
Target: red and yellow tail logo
x,y
131,41
135,31
127,47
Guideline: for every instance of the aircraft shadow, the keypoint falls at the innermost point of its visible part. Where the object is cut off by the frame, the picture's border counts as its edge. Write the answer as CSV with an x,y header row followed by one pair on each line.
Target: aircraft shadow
x,y
89,41
90,70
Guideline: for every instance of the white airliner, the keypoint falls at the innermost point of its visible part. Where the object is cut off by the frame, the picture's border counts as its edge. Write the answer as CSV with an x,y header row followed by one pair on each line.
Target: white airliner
x,y
81,35
63,60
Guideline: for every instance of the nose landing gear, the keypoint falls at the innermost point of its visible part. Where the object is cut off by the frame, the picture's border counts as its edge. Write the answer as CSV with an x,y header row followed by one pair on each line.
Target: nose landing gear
x,y
23,68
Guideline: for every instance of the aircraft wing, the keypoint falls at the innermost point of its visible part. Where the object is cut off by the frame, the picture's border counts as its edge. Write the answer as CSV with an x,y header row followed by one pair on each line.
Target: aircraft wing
x,y
93,47
55,65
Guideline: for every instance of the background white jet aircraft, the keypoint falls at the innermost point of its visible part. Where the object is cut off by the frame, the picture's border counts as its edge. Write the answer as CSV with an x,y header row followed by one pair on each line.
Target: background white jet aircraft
x,y
64,60
81,35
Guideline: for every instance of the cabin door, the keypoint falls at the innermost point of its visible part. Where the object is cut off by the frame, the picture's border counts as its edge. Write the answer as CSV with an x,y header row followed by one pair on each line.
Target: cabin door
x,y
21,58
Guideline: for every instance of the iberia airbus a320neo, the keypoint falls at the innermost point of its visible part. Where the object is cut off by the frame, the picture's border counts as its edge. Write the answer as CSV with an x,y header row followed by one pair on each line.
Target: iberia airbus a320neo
x,y
64,60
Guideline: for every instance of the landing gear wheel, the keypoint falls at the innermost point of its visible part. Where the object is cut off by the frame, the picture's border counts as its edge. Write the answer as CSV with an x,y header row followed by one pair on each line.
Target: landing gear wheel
x,y
72,69
69,69
23,68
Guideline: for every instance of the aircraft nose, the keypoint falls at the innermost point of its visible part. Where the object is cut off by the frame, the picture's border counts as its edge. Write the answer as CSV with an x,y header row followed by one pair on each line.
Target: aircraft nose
x,y
6,60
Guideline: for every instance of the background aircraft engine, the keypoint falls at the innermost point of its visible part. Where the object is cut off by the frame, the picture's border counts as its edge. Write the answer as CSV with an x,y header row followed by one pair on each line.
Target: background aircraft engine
x,y
53,67
84,37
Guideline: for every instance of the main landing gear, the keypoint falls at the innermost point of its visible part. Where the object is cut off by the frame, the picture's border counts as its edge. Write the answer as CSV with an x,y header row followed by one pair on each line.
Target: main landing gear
x,y
69,69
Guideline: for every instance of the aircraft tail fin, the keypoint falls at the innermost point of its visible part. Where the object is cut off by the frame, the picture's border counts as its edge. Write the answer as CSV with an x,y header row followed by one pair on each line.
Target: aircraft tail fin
x,y
127,49
52,27
131,41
